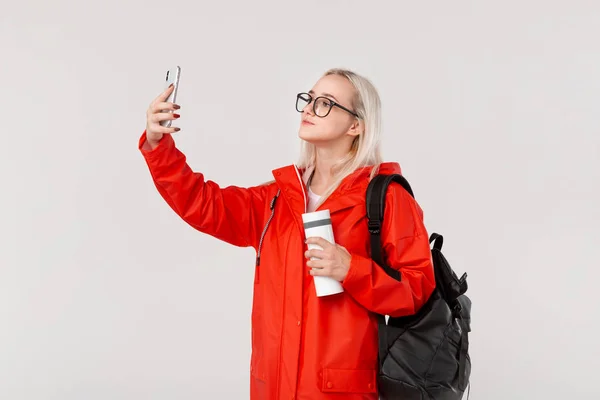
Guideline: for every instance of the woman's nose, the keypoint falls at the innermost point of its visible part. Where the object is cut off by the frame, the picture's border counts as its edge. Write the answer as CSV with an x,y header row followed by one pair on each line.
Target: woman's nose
x,y
308,109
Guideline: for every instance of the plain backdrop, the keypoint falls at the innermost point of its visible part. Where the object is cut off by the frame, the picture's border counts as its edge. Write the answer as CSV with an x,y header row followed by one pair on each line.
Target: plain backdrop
x,y
492,109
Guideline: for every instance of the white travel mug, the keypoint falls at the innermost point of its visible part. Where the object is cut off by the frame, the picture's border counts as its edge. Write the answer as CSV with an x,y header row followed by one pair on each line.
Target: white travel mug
x,y
318,223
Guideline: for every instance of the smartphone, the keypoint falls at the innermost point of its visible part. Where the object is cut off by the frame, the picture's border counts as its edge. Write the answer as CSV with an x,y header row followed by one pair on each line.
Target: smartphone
x,y
171,78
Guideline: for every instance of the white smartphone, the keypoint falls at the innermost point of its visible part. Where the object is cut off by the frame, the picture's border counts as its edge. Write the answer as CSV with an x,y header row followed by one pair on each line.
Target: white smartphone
x,y
172,78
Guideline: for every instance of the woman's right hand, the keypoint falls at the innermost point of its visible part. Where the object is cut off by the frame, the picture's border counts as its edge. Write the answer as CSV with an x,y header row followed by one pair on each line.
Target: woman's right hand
x,y
157,112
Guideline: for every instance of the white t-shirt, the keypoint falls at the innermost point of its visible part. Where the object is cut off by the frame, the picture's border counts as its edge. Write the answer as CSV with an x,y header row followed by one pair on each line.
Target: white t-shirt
x,y
313,199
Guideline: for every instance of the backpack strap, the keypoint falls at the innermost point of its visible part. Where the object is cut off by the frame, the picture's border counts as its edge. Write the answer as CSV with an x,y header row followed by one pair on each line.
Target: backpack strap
x,y
464,349
437,240
376,194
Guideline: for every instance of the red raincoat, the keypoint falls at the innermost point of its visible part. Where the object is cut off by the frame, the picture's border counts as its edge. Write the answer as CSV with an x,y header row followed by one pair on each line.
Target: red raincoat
x,y
305,347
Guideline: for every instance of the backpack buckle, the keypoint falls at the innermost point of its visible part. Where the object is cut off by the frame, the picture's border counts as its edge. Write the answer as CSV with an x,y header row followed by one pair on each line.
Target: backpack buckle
x,y
456,310
374,227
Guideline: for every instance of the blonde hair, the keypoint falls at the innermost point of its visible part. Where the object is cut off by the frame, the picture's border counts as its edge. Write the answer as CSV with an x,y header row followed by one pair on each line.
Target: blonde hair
x,y
365,150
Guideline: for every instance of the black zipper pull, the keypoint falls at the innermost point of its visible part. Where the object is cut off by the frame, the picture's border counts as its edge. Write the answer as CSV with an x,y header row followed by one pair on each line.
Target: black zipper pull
x,y
272,208
273,200
257,270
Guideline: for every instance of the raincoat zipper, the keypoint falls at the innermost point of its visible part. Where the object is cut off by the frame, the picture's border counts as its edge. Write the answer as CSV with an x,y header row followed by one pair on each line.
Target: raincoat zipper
x,y
304,188
264,232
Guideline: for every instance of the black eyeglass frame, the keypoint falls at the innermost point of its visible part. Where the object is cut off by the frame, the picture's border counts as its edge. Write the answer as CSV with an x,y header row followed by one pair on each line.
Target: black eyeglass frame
x,y
314,101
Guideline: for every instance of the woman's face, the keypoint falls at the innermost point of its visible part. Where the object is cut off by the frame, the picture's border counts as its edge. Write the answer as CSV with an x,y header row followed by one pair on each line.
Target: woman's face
x,y
339,123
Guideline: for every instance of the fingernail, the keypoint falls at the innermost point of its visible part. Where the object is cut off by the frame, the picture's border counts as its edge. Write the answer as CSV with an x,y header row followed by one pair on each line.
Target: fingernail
x,y
177,129
176,106
170,86
176,116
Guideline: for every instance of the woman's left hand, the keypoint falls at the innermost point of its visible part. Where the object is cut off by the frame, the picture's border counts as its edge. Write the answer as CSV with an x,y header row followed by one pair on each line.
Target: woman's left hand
x,y
333,261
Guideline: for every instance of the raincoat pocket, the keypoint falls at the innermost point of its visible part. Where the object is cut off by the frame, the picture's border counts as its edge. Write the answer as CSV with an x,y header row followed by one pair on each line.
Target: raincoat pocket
x,y
349,381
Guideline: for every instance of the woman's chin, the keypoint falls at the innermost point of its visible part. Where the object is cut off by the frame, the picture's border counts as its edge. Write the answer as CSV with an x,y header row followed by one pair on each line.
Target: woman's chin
x,y
307,137
310,137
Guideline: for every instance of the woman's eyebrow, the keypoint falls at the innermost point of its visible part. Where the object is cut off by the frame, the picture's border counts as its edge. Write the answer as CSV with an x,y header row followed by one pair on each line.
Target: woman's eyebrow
x,y
324,94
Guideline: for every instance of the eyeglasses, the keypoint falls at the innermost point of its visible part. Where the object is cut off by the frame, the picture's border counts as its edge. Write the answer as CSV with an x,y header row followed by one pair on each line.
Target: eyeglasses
x,y
321,106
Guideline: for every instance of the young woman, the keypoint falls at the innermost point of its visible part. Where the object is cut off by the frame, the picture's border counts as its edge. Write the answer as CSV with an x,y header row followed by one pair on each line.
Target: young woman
x,y
304,346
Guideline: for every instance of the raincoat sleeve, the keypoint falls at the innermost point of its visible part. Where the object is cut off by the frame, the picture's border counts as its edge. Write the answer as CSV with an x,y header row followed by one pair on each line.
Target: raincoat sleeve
x,y
406,248
231,214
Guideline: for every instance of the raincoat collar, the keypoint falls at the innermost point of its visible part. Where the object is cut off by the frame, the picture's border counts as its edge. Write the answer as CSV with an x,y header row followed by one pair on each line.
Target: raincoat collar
x,y
351,191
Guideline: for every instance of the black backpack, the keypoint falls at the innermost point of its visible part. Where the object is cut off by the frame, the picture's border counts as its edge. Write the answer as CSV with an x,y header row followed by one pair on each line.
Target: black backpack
x,y
422,356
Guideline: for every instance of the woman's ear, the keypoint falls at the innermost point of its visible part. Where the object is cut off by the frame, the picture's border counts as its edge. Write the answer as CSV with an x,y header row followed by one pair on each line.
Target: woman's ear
x,y
357,127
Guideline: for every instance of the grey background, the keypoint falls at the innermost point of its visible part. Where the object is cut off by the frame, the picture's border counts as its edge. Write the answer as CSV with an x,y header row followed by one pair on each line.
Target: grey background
x,y
490,107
